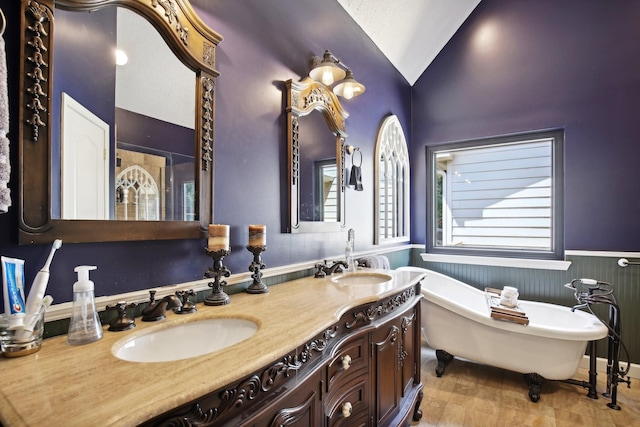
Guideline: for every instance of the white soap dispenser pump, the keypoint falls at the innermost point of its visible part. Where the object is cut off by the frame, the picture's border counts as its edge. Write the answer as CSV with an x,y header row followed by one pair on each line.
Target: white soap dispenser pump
x,y
85,326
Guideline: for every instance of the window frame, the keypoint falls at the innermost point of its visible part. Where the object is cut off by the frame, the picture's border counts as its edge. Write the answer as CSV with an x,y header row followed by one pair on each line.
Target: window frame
x,y
557,173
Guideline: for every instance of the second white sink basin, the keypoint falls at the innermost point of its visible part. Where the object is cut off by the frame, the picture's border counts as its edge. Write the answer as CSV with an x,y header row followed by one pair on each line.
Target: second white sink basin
x,y
185,340
362,278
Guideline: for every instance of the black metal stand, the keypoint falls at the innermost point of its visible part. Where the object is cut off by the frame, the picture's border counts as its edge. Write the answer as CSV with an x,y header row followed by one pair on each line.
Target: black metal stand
x,y
593,374
257,287
217,296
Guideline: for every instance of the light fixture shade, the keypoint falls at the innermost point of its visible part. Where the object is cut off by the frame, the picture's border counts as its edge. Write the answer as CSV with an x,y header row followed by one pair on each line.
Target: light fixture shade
x,y
326,71
349,87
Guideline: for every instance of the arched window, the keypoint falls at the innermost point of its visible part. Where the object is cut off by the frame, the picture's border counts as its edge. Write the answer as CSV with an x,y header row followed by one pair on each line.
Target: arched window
x,y
392,183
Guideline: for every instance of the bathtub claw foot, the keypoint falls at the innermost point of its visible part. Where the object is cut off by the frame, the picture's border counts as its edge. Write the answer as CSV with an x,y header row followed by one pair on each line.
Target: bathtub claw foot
x,y
443,360
534,381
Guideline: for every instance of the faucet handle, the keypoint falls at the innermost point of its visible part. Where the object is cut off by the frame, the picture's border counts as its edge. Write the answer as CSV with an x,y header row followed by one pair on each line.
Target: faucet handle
x,y
187,306
320,271
152,296
122,322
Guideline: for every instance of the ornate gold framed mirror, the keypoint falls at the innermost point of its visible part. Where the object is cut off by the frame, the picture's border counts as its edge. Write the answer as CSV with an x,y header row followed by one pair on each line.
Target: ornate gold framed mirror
x,y
316,136
192,43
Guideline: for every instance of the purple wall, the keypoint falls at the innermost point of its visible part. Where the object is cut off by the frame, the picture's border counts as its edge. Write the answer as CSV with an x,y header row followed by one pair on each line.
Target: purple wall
x,y
523,65
265,43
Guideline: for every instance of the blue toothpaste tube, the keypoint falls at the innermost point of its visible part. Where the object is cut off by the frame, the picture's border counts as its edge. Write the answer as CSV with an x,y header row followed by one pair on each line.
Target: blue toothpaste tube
x,y
13,289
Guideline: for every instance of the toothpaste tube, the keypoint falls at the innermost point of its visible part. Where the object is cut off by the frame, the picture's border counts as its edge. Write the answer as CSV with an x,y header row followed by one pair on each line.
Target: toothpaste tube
x,y
13,289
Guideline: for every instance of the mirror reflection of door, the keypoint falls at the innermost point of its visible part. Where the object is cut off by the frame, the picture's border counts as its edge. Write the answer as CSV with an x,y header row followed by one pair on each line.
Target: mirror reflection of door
x,y
85,162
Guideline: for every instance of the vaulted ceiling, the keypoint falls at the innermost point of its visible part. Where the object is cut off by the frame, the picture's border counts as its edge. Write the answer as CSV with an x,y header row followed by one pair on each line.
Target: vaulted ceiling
x,y
410,33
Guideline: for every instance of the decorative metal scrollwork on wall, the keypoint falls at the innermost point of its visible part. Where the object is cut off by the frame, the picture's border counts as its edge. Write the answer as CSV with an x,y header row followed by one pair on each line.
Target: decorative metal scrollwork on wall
x,y
37,35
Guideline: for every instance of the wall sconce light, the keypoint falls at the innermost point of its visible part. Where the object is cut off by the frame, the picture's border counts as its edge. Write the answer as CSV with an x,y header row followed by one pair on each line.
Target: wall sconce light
x,y
327,70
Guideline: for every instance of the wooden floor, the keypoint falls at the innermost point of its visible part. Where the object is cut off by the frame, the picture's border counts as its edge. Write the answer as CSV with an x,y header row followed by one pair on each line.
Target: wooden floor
x,y
475,395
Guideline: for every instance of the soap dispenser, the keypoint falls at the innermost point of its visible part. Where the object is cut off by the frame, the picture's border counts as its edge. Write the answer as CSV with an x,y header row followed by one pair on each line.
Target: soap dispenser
x,y
85,326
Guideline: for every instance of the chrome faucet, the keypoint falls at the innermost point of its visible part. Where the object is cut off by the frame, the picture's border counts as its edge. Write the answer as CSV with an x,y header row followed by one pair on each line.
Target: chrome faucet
x,y
156,310
348,250
324,269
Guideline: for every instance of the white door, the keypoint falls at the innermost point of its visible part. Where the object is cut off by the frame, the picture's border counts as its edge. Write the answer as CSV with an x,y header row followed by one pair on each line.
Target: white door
x,y
85,163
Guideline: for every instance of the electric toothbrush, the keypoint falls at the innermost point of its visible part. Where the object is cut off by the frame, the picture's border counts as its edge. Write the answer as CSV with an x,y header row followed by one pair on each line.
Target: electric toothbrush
x,y
38,287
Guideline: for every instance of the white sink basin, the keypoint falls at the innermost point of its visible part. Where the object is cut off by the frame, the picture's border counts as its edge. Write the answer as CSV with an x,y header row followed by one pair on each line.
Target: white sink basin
x,y
362,278
185,340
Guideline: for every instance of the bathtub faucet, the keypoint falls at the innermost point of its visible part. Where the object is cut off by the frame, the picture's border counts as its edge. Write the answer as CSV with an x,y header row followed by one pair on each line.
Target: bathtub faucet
x,y
578,306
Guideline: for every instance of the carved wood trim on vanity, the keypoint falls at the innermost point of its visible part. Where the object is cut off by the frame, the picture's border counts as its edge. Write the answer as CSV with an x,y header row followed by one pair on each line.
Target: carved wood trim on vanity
x,y
369,313
243,397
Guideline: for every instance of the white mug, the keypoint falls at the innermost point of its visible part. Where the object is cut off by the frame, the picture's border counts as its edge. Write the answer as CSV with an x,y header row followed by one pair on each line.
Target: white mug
x,y
509,296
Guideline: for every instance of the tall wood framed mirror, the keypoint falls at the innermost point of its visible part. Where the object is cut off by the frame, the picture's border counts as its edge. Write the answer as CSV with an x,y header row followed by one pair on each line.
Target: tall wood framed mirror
x,y
123,201
316,140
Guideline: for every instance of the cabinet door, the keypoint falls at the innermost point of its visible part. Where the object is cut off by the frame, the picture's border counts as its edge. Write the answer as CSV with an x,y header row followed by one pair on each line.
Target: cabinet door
x,y
386,371
298,407
410,349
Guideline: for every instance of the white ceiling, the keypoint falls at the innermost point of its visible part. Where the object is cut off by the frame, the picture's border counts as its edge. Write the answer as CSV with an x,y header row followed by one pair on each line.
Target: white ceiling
x,y
410,33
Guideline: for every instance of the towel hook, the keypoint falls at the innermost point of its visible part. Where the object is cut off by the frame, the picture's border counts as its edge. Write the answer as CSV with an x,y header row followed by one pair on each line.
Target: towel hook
x,y
4,22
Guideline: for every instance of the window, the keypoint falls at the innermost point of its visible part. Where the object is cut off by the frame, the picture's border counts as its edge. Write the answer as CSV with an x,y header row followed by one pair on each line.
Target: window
x,y
392,184
497,196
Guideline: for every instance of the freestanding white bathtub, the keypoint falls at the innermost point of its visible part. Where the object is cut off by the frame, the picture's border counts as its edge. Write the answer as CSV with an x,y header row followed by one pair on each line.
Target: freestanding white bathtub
x,y
456,320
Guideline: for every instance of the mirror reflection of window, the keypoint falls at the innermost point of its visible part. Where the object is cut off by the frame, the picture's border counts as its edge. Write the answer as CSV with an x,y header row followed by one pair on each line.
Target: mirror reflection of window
x,y
188,201
137,192
327,190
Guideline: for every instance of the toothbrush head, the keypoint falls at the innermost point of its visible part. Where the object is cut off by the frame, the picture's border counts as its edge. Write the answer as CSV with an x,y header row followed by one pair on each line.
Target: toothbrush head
x,y
56,245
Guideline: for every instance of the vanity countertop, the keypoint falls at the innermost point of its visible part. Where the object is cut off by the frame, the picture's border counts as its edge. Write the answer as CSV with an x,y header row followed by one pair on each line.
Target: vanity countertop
x,y
87,385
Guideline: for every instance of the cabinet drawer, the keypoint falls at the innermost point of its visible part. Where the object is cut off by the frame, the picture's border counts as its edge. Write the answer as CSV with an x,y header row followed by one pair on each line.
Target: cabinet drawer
x,y
349,406
351,357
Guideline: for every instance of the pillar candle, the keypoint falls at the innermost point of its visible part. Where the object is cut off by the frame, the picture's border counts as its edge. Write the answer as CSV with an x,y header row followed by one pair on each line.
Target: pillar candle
x,y
218,237
257,235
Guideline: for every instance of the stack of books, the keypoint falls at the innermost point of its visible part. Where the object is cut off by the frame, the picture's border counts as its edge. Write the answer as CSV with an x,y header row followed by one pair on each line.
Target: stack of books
x,y
501,312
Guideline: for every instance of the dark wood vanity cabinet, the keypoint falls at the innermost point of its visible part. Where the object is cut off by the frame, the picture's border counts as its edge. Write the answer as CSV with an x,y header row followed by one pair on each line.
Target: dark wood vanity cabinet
x,y
395,368
362,371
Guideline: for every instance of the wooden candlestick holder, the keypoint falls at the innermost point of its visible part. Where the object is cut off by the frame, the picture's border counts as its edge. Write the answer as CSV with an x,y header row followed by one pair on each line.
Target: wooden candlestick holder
x,y
257,287
218,270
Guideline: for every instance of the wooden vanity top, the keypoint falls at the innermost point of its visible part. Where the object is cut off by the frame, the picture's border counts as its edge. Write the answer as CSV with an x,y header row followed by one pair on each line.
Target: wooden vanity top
x,y
87,385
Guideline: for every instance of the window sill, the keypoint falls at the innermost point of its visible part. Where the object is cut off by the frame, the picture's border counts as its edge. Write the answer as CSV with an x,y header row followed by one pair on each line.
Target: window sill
x,y
540,264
